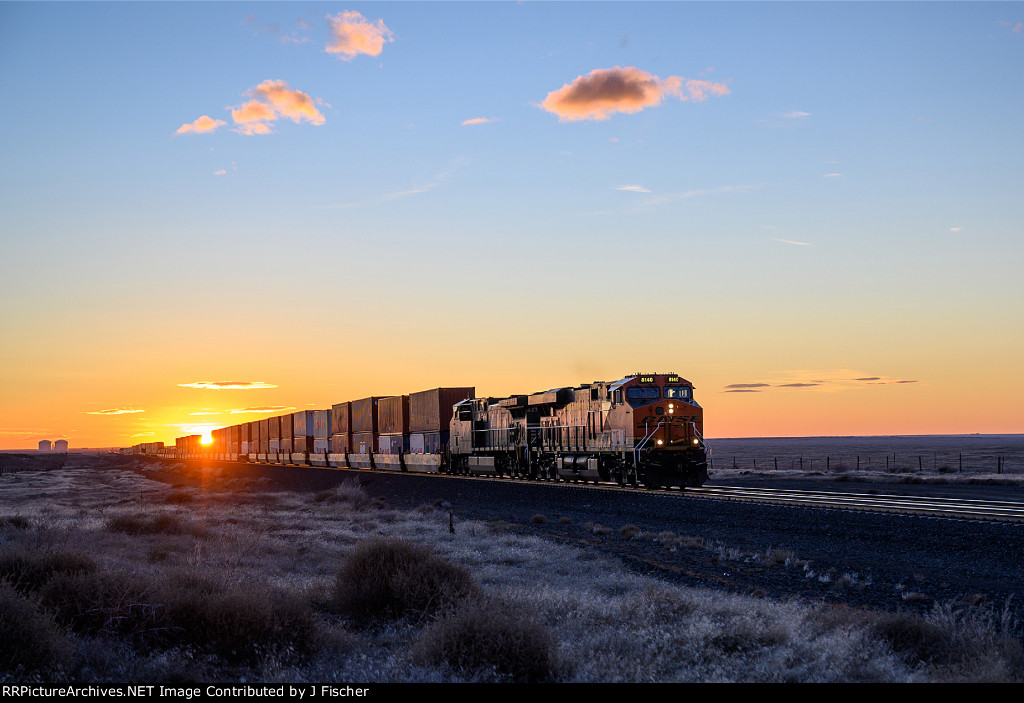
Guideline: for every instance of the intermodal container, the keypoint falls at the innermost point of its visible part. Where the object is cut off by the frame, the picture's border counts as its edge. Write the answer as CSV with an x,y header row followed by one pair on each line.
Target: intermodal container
x,y
302,444
341,418
322,424
427,442
392,443
286,426
363,442
340,443
431,411
364,415
393,415
302,423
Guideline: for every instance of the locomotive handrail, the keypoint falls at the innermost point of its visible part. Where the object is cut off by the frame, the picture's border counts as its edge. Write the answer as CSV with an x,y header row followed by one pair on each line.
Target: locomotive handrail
x,y
638,447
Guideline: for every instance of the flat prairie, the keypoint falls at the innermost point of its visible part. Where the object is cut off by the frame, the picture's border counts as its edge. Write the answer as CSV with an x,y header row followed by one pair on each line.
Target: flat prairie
x,y
107,574
907,459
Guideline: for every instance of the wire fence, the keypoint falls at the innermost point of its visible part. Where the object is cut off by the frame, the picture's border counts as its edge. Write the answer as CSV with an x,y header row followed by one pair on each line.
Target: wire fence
x,y
941,455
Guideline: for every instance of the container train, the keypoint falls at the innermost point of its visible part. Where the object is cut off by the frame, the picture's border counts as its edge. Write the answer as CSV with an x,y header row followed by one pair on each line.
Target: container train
x,y
644,429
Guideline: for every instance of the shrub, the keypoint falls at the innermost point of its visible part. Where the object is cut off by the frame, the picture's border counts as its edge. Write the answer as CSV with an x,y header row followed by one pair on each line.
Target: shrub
x,y
629,531
911,636
99,602
599,529
390,578
483,636
349,492
29,571
565,520
159,523
29,638
17,521
239,623
539,519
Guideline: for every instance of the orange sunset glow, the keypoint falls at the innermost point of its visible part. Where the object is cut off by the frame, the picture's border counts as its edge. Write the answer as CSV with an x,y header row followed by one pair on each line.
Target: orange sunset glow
x,y
820,245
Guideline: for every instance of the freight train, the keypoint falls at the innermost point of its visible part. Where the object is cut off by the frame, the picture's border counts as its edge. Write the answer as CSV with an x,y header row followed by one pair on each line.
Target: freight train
x,y
642,429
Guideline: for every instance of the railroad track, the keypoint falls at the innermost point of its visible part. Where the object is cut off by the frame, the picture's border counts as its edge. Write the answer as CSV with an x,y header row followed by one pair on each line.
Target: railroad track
x,y
932,506
921,505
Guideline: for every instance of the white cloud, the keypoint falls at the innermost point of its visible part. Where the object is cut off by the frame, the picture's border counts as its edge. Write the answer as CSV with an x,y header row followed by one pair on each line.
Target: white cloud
x,y
114,411
790,241
228,385
633,189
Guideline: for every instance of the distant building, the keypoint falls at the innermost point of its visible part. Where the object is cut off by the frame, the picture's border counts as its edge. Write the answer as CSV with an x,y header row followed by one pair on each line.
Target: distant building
x,y
61,445
45,445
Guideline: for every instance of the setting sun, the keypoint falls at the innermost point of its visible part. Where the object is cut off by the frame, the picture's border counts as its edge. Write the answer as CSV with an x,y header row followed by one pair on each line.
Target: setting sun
x,y
206,439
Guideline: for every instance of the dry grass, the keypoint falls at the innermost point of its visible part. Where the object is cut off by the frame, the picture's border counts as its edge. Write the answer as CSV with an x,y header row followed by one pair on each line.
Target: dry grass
x,y
485,636
30,639
258,593
388,578
629,531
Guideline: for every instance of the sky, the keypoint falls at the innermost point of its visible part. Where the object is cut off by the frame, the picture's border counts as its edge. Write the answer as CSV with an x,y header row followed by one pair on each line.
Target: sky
x,y
214,212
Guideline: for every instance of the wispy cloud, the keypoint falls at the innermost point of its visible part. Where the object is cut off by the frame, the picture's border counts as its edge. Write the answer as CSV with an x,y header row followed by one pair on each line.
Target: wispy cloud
x,y
1016,28
605,91
955,229
201,125
261,409
25,432
831,175
206,412
143,434
832,380
203,428
795,115
228,385
352,34
795,243
696,193
274,29
478,120
435,181
633,189
114,411
221,172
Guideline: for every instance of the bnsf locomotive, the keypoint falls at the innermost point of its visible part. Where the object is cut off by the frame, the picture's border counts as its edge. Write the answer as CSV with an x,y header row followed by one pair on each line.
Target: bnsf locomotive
x,y
642,429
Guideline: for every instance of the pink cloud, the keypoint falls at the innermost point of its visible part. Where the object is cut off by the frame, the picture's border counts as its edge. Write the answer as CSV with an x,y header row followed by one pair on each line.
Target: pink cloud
x,y
200,126
605,91
293,104
477,120
272,100
252,111
352,35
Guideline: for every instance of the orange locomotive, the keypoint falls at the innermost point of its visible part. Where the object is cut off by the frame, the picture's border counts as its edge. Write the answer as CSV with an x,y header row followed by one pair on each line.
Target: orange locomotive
x,y
644,428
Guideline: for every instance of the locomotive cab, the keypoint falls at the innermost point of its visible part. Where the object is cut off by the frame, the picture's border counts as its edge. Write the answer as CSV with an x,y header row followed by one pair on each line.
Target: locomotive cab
x,y
667,426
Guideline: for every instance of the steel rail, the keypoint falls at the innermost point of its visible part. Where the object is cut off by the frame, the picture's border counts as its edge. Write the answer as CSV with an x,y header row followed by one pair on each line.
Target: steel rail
x,y
923,505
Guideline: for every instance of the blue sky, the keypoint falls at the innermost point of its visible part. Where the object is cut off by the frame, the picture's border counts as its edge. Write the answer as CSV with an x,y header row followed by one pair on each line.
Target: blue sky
x,y
851,200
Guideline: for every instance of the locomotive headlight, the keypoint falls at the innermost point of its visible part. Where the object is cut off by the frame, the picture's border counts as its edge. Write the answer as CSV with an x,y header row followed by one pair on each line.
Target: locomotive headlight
x,y
660,442
696,441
